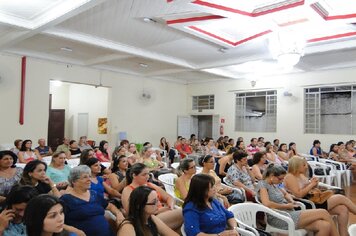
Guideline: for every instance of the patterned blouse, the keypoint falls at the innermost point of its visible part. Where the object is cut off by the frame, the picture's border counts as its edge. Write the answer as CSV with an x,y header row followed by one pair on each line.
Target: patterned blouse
x,y
234,174
7,183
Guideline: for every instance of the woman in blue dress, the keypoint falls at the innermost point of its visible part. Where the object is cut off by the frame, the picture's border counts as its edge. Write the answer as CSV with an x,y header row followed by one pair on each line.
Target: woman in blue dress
x,y
204,215
85,208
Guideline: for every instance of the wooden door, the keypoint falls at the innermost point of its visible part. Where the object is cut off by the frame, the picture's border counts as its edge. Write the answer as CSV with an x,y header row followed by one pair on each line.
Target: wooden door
x,y
56,124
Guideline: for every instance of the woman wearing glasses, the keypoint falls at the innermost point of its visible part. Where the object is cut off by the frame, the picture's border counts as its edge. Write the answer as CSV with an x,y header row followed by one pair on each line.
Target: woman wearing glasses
x,y
318,221
299,185
137,176
141,219
84,208
225,194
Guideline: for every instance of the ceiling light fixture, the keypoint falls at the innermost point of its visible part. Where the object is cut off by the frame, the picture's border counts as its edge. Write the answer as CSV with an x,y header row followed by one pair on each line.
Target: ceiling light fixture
x,y
287,47
67,49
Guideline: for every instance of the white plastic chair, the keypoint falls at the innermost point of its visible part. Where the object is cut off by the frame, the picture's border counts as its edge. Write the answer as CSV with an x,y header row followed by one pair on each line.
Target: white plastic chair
x,y
106,164
342,173
241,190
329,178
47,159
21,165
175,165
168,182
73,162
352,230
246,213
242,230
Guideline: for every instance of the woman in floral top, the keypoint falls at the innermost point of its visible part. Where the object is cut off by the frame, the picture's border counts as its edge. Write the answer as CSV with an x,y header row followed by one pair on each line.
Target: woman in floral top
x,y
9,173
240,175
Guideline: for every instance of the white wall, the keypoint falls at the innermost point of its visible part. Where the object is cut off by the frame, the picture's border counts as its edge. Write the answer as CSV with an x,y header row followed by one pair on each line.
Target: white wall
x,y
91,100
141,121
289,109
60,100
36,101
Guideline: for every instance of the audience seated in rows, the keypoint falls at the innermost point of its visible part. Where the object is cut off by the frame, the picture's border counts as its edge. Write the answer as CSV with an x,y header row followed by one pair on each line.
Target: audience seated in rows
x,y
315,220
141,218
85,208
204,214
97,181
224,193
299,185
138,176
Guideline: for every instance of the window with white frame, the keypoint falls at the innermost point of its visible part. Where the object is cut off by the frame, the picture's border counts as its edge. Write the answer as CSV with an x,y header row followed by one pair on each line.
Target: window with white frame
x,y
256,111
203,102
330,110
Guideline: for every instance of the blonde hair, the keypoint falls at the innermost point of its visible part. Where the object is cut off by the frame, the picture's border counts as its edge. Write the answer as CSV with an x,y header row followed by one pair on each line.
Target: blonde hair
x,y
294,163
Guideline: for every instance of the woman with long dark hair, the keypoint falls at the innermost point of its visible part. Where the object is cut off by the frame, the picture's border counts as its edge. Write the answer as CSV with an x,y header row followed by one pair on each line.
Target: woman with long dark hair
x,y
138,176
44,216
103,154
34,174
9,173
118,173
26,153
141,219
202,213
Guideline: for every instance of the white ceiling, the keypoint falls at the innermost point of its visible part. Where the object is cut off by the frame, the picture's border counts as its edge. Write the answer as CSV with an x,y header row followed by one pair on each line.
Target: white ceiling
x,y
186,41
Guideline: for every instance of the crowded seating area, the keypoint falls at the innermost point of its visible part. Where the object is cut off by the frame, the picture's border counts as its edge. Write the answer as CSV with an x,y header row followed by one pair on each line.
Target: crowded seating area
x,y
192,187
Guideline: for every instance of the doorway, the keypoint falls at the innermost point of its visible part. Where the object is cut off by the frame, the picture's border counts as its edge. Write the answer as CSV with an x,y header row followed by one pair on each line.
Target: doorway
x,y
56,122
201,125
205,126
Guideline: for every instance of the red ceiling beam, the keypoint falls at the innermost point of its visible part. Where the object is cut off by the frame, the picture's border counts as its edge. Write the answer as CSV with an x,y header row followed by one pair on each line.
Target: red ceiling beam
x,y
251,14
22,95
191,19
